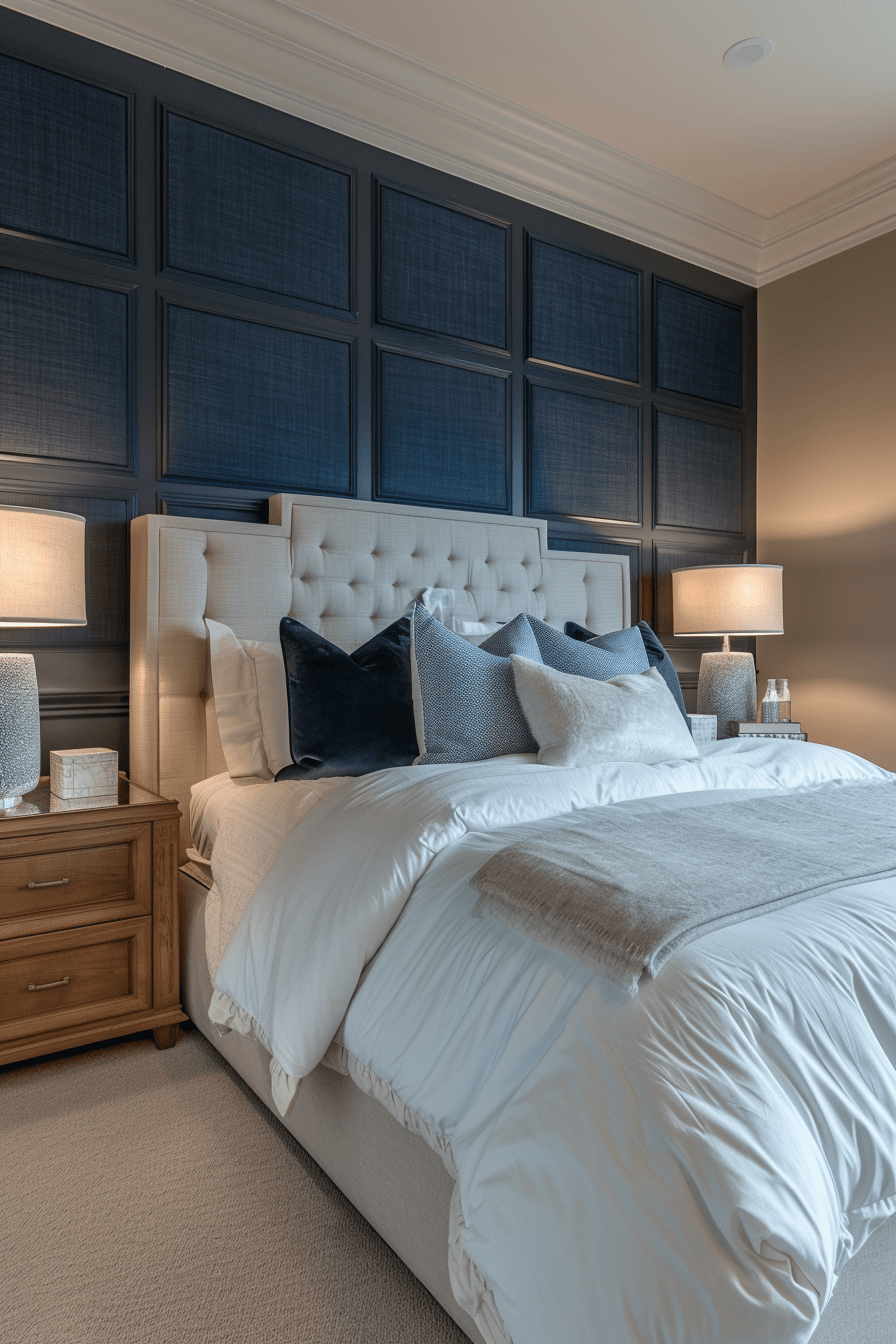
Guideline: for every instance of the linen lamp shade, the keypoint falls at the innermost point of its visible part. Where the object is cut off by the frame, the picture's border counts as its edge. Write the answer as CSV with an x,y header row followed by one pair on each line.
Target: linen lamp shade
x,y
41,584
728,600
41,568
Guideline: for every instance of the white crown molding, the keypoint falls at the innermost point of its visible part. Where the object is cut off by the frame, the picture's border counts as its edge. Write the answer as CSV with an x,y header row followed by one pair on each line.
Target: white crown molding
x,y
852,212
276,53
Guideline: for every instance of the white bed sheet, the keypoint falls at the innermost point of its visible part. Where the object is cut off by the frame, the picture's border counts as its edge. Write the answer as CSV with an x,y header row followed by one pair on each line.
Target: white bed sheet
x,y
693,1165
208,799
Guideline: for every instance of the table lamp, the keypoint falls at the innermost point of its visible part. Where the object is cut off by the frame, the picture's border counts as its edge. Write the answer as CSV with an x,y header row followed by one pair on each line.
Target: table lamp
x,y
727,600
41,584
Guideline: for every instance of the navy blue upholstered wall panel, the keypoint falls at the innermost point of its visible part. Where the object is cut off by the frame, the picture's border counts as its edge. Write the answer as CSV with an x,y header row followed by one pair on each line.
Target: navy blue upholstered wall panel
x,y
442,434
63,158
665,559
245,213
105,571
63,370
441,270
699,345
584,313
258,405
603,546
698,474
584,456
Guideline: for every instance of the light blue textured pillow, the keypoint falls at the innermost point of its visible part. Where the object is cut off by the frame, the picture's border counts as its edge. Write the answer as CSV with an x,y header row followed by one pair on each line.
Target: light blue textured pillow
x,y
465,703
619,654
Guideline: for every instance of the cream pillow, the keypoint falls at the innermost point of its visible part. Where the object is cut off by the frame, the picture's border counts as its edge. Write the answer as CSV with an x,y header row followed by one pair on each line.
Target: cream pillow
x,y
249,684
580,721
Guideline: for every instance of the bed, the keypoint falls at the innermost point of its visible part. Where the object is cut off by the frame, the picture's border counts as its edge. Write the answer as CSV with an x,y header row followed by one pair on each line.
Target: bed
x,y
347,569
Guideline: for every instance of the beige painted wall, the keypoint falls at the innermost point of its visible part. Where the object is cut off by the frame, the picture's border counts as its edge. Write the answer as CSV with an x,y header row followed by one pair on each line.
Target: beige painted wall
x,y
826,507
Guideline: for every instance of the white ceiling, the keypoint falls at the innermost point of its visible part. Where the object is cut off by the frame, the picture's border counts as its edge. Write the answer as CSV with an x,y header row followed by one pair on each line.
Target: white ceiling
x,y
621,114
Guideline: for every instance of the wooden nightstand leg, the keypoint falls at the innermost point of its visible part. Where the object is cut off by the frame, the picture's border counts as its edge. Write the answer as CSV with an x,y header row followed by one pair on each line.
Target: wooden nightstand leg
x,y
165,1037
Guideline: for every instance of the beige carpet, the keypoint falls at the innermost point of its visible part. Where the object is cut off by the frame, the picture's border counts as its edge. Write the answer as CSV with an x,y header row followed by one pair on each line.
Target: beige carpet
x,y
148,1197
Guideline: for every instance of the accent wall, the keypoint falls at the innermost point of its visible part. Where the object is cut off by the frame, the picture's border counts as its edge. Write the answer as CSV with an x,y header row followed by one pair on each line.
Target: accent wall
x,y
204,301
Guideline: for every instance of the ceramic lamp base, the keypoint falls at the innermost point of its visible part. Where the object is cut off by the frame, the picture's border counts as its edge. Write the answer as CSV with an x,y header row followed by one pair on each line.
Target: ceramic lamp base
x,y
19,729
727,688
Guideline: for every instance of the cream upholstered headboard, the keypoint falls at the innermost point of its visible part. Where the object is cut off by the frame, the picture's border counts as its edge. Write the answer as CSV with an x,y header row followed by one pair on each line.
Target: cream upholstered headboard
x,y
346,568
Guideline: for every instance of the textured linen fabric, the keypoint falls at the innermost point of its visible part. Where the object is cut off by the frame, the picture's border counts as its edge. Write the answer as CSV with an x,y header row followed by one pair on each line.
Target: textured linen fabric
x,y
583,312
441,270
611,655
656,654
246,213
465,705
63,158
584,455
441,433
579,721
349,713
699,345
207,800
588,887
64,369
249,682
583,545
256,405
698,474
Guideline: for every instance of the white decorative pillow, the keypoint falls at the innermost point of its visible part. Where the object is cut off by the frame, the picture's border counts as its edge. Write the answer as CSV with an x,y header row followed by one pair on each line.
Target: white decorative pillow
x,y
580,721
249,683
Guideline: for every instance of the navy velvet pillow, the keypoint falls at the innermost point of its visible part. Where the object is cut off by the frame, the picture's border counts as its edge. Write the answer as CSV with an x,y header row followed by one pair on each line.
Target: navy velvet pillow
x,y
349,714
656,655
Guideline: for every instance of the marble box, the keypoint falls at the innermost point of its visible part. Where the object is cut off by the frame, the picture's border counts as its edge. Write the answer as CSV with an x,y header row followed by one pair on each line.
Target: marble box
x,y
84,772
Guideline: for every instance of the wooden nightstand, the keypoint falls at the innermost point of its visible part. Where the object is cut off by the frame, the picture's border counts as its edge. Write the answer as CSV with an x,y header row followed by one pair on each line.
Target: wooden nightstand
x,y
88,922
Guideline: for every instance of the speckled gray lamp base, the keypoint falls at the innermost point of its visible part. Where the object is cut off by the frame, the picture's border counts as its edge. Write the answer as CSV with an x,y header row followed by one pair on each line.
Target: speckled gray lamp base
x,y
727,688
19,728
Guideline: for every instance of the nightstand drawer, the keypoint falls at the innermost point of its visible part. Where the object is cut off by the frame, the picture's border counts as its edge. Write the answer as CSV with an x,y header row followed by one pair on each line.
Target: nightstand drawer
x,y
106,875
58,979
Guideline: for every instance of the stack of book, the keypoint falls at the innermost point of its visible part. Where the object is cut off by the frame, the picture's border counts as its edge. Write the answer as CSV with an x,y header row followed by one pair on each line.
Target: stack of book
x,y
790,730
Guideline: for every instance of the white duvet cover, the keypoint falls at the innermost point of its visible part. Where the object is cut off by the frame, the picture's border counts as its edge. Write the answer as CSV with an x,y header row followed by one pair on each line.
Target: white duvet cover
x,y
695,1164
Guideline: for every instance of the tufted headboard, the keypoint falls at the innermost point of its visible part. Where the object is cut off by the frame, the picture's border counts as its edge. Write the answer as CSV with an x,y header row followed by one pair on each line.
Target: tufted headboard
x,y
346,568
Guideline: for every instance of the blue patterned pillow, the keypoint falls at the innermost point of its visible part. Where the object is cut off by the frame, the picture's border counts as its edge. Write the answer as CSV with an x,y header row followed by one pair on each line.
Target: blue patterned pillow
x,y
622,654
656,655
465,703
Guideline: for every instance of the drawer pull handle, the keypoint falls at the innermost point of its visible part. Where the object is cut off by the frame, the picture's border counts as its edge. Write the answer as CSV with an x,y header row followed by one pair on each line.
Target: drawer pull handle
x,y
57,882
51,985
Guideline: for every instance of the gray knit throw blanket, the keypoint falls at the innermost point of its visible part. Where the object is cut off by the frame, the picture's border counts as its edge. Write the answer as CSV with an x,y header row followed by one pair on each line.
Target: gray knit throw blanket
x,y
621,888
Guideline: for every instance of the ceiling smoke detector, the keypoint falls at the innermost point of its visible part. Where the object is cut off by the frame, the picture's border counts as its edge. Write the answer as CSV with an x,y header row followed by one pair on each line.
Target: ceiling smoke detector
x,y
751,51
